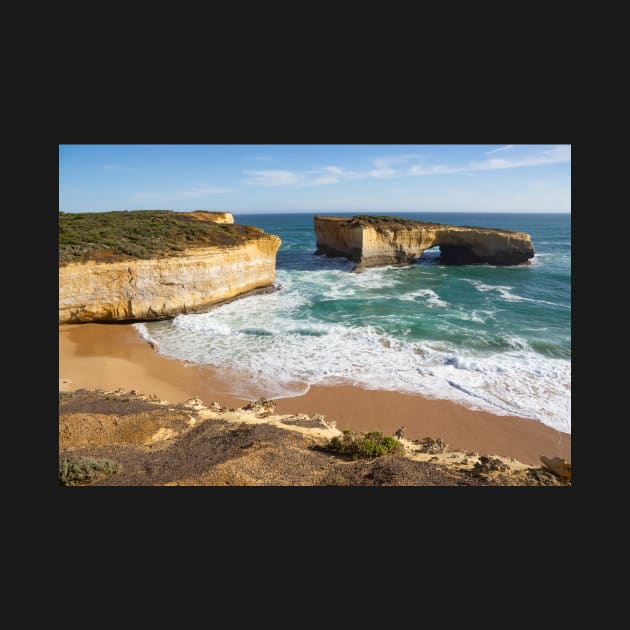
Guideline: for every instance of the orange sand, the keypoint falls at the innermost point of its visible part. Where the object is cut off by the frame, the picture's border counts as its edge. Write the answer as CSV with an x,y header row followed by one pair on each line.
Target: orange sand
x,y
109,356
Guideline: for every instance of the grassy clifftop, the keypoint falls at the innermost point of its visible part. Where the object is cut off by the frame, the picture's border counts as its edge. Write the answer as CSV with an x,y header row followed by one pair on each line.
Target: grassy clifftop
x,y
126,235
385,221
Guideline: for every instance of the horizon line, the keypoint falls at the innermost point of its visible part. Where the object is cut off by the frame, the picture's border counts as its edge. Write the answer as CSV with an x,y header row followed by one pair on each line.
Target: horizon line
x,y
326,211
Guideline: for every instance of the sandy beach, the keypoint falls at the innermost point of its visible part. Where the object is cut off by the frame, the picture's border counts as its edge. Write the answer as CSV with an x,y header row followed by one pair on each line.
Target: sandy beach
x,y
112,356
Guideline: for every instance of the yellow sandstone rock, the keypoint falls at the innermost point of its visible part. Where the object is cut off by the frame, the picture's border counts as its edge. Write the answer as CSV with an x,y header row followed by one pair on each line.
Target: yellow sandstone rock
x,y
379,243
157,288
557,466
215,217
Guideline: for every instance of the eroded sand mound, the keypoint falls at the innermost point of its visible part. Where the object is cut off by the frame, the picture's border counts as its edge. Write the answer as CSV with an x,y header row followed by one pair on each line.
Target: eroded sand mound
x,y
156,443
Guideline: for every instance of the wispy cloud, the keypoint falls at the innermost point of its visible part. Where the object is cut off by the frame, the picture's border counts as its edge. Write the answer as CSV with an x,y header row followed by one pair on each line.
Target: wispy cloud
x,y
532,157
389,160
506,147
199,191
408,165
272,178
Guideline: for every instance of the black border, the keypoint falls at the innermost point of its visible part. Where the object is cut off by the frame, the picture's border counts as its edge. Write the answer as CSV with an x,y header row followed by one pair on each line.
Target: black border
x,y
505,519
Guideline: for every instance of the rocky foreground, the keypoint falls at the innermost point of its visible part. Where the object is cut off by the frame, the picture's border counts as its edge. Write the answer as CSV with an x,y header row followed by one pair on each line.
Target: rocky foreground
x,y
125,438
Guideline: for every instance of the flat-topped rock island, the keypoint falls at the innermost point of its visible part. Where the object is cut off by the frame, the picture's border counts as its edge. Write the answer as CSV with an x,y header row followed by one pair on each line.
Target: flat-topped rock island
x,y
142,265
376,241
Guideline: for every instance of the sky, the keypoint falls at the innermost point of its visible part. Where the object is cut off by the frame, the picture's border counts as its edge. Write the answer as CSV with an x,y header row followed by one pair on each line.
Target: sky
x,y
316,178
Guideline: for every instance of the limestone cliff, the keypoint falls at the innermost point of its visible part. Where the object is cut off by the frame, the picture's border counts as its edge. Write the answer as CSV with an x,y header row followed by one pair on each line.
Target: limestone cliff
x,y
215,217
157,288
378,241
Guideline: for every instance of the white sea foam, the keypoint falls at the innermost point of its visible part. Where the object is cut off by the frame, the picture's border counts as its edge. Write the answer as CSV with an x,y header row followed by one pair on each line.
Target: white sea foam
x,y
144,333
432,298
505,293
478,315
335,284
261,335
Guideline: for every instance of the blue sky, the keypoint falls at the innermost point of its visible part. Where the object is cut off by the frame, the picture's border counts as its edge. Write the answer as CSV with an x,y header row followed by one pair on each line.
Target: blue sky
x,y
316,178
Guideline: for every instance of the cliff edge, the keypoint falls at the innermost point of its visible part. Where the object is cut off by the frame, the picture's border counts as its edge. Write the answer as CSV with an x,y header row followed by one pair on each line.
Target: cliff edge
x,y
126,266
375,241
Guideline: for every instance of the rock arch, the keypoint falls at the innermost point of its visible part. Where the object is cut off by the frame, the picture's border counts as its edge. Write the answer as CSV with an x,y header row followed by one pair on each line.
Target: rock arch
x,y
379,241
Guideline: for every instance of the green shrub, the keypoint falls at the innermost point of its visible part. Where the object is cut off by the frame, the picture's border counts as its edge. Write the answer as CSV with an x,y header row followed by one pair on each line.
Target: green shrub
x,y
86,470
111,236
383,222
375,218
364,445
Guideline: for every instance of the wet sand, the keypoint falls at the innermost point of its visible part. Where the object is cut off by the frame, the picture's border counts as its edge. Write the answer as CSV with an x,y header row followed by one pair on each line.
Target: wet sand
x,y
112,356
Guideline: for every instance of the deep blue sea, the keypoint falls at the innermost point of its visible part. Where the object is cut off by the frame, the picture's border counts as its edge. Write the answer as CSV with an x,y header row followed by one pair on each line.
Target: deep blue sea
x,y
492,338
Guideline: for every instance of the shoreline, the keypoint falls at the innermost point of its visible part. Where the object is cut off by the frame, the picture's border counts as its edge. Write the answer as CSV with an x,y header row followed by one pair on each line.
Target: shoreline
x,y
113,356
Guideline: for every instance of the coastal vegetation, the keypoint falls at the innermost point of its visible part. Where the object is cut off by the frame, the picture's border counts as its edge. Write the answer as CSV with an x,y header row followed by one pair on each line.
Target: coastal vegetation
x,y
383,220
364,445
373,219
85,470
128,235
151,442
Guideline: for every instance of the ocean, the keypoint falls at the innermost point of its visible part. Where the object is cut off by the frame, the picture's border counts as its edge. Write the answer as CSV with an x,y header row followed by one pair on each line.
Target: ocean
x,y
491,338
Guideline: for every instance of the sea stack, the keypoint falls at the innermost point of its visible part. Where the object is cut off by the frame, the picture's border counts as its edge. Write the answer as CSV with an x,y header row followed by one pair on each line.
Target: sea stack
x,y
376,241
143,265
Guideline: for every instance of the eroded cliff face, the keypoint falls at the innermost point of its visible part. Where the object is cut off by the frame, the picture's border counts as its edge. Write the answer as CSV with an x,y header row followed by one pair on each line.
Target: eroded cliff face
x,y
159,288
215,217
402,242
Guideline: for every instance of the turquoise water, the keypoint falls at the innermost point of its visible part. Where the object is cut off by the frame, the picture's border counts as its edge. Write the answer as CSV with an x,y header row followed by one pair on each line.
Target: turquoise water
x,y
493,338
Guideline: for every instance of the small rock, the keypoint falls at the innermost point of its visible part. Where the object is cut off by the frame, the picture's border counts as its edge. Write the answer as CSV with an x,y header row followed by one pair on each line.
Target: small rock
x,y
556,465
489,464
431,446
262,404
193,402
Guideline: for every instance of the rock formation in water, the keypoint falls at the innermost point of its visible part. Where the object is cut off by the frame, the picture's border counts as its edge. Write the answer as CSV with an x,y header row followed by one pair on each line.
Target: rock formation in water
x,y
372,241
156,276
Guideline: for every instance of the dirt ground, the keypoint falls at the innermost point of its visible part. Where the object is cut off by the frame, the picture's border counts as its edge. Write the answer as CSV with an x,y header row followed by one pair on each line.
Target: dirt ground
x,y
188,444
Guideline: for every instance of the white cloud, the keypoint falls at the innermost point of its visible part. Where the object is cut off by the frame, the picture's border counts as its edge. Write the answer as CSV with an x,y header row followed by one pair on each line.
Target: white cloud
x,y
382,173
199,191
333,174
436,169
507,147
272,178
537,157
556,154
385,167
324,180
389,160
